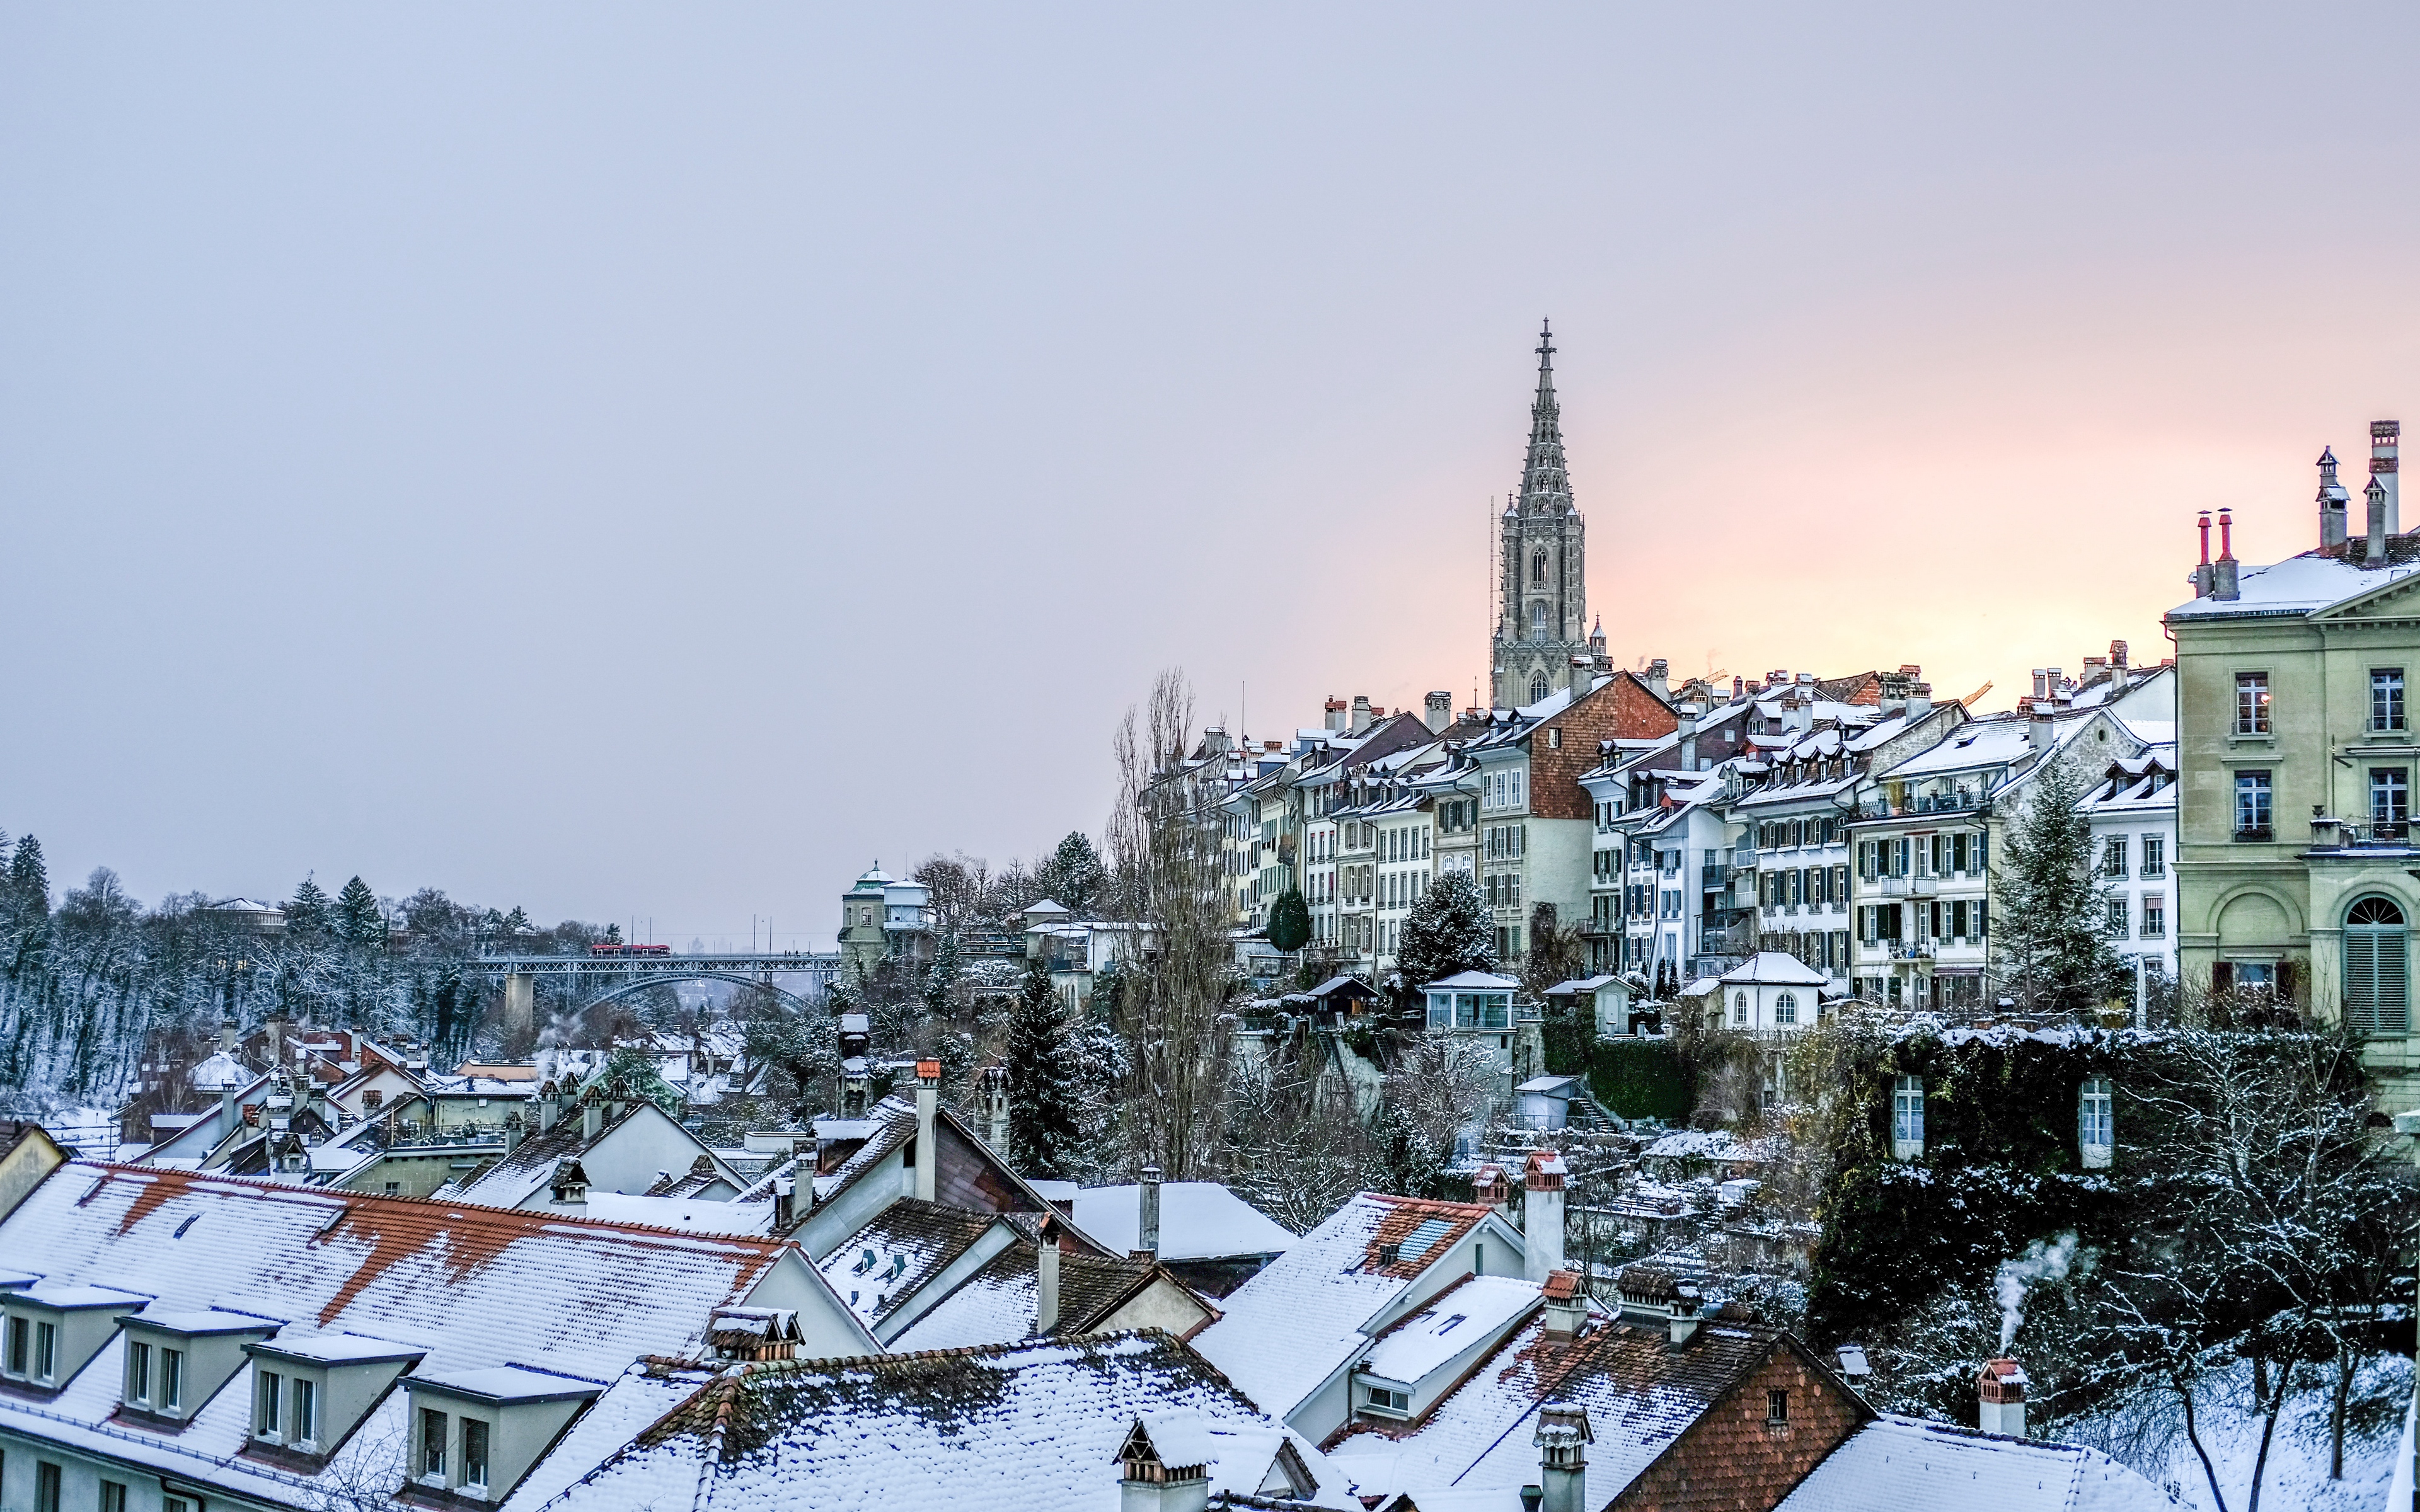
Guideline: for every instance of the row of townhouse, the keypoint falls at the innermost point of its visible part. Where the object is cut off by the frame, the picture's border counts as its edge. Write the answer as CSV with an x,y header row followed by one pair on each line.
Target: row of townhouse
x,y
1849,824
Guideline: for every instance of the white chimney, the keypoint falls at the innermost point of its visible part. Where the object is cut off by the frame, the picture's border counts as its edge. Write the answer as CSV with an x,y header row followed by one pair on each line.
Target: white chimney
x,y
549,1106
928,1102
1046,1279
2375,549
1437,709
1147,1229
230,1034
2002,1388
995,1082
1338,713
1562,1439
2041,729
1361,714
1659,677
1542,1215
1684,1316
592,1118
2386,444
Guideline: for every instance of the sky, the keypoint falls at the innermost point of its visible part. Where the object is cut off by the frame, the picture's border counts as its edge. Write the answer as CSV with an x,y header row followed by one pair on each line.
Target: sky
x,y
651,462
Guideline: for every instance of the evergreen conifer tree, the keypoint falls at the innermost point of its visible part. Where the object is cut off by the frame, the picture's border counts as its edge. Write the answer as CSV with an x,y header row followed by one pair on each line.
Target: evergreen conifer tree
x,y
357,915
1042,1071
1447,931
2050,931
309,913
516,922
1290,922
1074,875
940,985
28,879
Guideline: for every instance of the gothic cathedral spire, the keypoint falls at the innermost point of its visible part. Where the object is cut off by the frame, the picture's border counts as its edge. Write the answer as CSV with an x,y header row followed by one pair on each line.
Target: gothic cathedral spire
x,y
1541,642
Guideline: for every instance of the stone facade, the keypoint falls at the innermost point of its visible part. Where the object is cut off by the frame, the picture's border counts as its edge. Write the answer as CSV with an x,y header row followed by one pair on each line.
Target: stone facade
x,y
1542,561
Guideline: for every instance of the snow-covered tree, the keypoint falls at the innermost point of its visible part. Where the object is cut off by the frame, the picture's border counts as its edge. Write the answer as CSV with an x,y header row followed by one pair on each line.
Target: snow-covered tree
x,y
1042,1113
1074,875
29,881
1446,932
309,913
1557,953
2050,930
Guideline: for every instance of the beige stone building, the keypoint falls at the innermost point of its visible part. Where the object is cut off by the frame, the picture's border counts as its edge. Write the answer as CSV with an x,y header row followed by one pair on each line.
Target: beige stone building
x,y
2296,866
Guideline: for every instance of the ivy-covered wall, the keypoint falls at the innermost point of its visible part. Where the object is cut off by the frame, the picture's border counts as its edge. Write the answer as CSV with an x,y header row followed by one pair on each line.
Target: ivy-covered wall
x,y
2001,1166
1643,1079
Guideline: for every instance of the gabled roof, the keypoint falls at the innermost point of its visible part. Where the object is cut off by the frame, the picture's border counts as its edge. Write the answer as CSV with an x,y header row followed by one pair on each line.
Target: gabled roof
x,y
1289,1327
1773,968
2318,580
1640,1392
511,1181
1198,1221
1473,981
996,1304
1898,1464
999,1429
907,1244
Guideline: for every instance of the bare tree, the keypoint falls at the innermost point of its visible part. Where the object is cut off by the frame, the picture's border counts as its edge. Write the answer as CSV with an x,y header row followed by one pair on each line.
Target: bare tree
x,y
1166,857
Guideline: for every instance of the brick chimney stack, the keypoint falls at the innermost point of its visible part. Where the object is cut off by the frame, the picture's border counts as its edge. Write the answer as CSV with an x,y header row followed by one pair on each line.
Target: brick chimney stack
x,y
2002,1390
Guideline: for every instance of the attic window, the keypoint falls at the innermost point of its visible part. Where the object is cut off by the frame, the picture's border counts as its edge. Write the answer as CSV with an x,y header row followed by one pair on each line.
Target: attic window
x,y
1423,1239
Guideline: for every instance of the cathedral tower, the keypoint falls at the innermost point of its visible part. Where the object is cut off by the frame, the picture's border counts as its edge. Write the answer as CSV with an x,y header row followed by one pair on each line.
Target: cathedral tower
x,y
1542,593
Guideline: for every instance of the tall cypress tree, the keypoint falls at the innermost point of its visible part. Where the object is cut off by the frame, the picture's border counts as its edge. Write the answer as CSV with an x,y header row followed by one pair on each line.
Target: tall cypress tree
x,y
1290,922
1041,1125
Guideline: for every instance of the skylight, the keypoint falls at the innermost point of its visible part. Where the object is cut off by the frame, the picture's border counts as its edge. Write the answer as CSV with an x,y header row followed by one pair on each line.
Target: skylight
x,y
1423,1239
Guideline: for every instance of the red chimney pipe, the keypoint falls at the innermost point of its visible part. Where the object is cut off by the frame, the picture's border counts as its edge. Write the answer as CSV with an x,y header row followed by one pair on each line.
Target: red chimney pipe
x,y
2225,534
2205,537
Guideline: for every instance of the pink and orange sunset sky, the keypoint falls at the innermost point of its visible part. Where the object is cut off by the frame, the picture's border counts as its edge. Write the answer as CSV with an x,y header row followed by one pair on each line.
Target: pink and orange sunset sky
x,y
630,460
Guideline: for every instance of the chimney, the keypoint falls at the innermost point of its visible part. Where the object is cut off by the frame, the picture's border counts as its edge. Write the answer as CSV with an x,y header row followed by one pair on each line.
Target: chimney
x,y
2332,499
995,1082
1491,1186
549,1106
2385,443
2040,728
785,1197
1583,677
275,1028
1338,713
1562,1439
512,1133
230,1034
1566,1307
1147,1231
2203,575
1685,1319
2002,1389
2376,495
1659,677
1542,1215
1045,1278
1147,1483
570,1185
1437,712
2226,567
928,1100
1919,702
1360,714
592,1118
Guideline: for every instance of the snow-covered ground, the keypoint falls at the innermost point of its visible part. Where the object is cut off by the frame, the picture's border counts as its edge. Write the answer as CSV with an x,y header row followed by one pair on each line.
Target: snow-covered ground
x,y
2297,1472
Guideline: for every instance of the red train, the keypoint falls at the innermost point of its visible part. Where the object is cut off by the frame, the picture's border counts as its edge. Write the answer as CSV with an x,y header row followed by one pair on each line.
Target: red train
x,y
609,947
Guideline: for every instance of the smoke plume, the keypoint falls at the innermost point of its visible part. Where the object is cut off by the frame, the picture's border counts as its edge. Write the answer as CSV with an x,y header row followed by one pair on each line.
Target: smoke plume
x,y
2039,1262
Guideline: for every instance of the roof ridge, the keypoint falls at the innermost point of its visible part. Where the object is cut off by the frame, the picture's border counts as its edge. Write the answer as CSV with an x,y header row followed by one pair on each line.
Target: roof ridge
x,y
344,1201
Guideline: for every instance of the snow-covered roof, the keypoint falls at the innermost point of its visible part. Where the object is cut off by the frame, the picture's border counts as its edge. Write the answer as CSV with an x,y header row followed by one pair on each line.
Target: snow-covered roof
x,y
1898,1464
689,1215
998,1429
1451,1324
219,1072
1551,1086
996,1304
1702,1144
2298,585
1473,981
907,1244
1581,984
1289,1327
1773,968
1198,1221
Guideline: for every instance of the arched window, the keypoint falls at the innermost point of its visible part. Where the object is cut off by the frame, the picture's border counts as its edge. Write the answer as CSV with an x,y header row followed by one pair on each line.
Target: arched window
x,y
1738,1009
1538,688
1538,620
2096,1125
2376,986
1538,567
1907,1118
1785,1008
